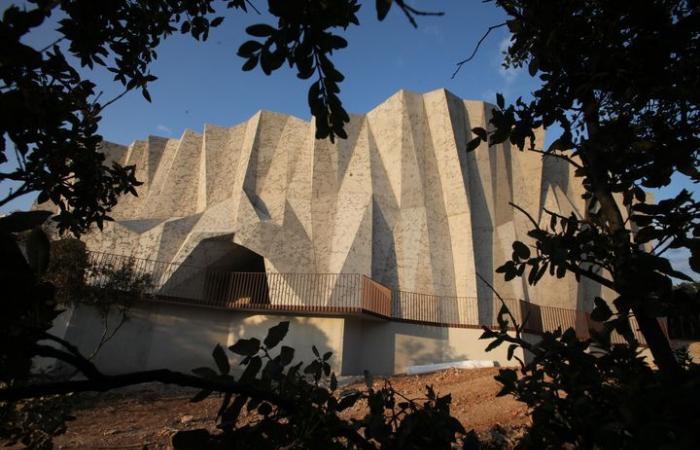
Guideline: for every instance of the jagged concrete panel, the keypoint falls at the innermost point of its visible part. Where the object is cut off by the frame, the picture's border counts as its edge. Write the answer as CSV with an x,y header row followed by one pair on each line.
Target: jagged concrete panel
x,y
399,200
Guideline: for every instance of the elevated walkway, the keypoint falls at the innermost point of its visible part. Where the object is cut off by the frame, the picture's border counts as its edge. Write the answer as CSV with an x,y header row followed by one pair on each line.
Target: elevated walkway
x,y
327,294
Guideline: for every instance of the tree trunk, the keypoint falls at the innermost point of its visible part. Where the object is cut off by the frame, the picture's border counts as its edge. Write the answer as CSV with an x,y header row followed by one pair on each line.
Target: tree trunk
x,y
610,211
658,343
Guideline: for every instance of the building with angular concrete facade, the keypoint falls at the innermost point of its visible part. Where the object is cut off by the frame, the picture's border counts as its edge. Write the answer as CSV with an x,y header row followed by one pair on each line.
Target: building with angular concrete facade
x,y
400,202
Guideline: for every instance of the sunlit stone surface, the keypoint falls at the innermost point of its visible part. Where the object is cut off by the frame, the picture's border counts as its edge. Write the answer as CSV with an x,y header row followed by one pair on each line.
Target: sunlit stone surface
x,y
400,200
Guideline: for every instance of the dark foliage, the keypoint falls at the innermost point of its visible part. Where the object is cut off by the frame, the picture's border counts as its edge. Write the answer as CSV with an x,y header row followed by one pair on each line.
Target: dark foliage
x,y
28,302
67,269
620,79
307,411
594,395
50,114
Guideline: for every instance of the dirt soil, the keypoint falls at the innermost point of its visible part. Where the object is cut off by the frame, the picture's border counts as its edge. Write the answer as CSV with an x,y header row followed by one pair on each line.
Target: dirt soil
x,y
147,417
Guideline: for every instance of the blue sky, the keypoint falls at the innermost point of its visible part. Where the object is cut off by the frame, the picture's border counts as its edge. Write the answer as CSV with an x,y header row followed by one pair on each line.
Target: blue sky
x,y
202,82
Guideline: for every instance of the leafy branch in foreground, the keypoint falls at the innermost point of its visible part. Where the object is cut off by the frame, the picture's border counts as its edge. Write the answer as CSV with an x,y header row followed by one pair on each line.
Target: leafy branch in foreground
x,y
298,405
629,112
303,38
50,112
392,421
592,394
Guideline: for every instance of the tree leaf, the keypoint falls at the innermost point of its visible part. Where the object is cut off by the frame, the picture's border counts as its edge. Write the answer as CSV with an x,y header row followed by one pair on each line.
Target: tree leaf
x,y
473,144
276,334
230,415
481,133
260,30
338,42
250,64
251,370
495,343
286,355
533,66
601,311
348,399
521,250
264,409
511,350
248,48
471,441
694,260
488,333
383,7
221,360
246,347
314,369
23,220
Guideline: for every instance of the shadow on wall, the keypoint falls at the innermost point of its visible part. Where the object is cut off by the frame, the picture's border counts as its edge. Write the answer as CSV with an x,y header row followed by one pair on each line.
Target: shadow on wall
x,y
325,333
386,348
482,231
367,346
418,345
181,338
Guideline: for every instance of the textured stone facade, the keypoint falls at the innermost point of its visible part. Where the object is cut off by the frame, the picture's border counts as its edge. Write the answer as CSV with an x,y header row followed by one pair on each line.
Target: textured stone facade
x,y
400,200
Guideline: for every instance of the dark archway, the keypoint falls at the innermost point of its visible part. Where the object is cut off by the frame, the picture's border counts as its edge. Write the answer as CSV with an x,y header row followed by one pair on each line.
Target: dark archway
x,y
235,275
224,274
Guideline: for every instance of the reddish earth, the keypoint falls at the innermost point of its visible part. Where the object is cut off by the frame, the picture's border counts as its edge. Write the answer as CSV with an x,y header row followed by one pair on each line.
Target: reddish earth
x,y
148,417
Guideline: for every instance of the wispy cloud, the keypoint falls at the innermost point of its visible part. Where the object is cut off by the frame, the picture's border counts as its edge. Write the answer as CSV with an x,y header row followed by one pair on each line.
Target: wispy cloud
x,y
508,75
163,129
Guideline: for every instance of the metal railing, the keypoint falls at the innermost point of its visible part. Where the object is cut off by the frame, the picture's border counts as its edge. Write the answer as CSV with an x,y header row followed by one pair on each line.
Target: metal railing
x,y
468,312
326,293
332,293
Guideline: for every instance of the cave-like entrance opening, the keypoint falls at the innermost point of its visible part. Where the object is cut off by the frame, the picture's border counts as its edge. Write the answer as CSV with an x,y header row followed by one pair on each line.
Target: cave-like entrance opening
x,y
234,274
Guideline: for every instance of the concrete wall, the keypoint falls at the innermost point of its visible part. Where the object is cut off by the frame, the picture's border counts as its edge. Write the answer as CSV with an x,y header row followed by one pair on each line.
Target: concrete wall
x,y
386,348
59,328
178,337
161,335
400,200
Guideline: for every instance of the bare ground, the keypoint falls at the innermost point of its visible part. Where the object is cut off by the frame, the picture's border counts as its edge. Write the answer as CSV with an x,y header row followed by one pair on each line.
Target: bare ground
x,y
149,416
